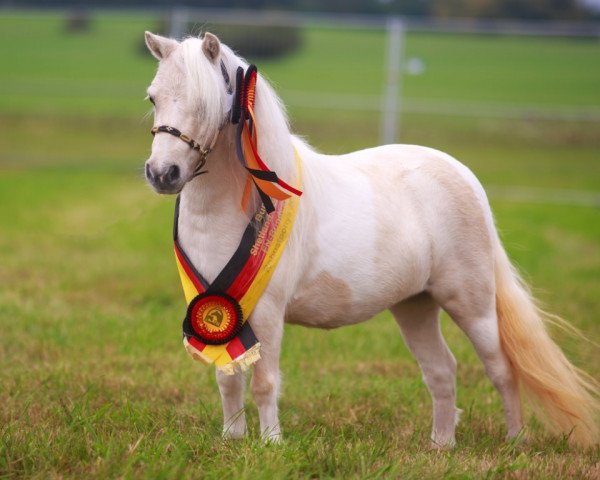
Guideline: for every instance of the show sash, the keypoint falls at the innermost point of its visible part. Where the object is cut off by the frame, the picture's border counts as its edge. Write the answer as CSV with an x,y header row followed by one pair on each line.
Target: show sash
x,y
215,328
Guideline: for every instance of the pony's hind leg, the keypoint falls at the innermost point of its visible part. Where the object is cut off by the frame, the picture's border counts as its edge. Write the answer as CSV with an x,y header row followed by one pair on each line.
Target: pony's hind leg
x,y
232,389
475,314
483,333
419,322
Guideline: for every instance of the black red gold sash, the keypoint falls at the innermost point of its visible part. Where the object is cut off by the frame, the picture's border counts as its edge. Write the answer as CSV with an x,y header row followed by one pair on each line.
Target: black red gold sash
x,y
215,329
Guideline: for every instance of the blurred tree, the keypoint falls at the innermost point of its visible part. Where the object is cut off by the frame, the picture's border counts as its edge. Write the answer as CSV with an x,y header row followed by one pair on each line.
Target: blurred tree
x,y
78,21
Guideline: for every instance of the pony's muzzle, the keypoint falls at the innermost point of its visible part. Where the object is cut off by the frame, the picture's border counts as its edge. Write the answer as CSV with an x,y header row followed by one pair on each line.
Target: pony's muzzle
x,y
164,180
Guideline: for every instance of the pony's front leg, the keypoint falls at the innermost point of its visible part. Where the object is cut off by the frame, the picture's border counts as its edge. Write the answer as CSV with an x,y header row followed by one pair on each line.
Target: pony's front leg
x,y
232,388
266,378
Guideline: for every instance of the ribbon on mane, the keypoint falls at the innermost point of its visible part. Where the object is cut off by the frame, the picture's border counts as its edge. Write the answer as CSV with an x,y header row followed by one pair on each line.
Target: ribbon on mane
x,y
266,181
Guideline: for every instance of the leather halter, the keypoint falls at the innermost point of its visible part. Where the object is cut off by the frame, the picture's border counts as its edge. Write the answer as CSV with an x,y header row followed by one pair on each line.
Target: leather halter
x,y
173,131
192,143
203,151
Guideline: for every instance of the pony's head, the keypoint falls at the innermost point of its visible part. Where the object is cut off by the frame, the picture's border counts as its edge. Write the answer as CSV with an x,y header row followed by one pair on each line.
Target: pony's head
x,y
191,103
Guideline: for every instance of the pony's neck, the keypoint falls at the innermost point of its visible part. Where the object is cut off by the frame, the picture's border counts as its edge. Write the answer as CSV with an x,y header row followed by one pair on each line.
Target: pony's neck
x,y
219,192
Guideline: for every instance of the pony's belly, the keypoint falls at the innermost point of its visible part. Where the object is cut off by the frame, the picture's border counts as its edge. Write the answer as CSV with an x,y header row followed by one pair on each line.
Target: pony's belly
x,y
323,302
330,302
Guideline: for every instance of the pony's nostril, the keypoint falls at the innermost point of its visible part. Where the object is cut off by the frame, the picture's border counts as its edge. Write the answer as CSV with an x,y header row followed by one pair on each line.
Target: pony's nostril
x,y
173,173
149,175
164,179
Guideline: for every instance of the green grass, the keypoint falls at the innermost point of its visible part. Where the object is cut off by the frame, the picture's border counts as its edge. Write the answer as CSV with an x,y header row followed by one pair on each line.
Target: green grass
x,y
94,381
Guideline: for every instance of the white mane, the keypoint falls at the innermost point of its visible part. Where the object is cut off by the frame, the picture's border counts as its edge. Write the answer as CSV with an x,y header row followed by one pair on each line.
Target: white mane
x,y
205,87
204,83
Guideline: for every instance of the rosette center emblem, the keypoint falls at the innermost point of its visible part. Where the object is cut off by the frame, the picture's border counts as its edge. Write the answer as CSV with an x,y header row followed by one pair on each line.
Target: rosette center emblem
x,y
214,318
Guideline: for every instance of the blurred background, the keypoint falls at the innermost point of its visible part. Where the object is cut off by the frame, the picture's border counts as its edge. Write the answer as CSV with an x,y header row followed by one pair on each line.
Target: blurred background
x,y
89,295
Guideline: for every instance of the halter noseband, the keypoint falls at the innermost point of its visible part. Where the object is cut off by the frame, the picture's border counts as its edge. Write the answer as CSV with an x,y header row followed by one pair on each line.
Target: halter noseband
x,y
176,133
203,151
192,143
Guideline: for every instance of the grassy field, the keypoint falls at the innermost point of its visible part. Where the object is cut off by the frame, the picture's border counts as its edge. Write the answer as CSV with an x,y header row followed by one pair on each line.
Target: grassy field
x,y
93,379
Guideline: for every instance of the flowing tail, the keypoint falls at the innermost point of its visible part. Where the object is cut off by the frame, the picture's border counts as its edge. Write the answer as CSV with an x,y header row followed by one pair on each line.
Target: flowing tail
x,y
565,397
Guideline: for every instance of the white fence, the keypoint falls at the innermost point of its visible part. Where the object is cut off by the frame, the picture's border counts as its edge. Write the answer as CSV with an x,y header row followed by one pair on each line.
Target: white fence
x,y
390,102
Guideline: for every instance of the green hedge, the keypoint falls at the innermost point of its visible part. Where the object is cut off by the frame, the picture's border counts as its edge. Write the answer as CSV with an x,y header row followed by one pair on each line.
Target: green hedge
x,y
250,41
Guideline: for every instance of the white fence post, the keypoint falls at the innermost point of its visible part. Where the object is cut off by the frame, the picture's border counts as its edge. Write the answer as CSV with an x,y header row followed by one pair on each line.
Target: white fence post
x,y
178,23
392,101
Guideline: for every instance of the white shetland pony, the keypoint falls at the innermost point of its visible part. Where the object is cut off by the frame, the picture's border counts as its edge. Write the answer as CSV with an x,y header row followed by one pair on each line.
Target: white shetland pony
x,y
397,227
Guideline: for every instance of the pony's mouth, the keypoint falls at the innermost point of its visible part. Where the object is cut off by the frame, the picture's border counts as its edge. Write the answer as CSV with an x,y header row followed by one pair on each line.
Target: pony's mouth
x,y
166,188
167,191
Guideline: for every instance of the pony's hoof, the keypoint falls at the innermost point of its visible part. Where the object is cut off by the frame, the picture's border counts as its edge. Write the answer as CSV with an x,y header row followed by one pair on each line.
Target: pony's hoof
x,y
234,434
273,439
443,444
517,440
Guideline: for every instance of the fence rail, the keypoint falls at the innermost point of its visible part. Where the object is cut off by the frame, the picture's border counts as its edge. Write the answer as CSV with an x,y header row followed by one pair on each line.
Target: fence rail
x,y
390,103
442,107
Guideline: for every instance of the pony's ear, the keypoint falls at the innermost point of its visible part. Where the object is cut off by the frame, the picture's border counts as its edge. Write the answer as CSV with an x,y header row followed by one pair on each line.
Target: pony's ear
x,y
211,47
160,47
